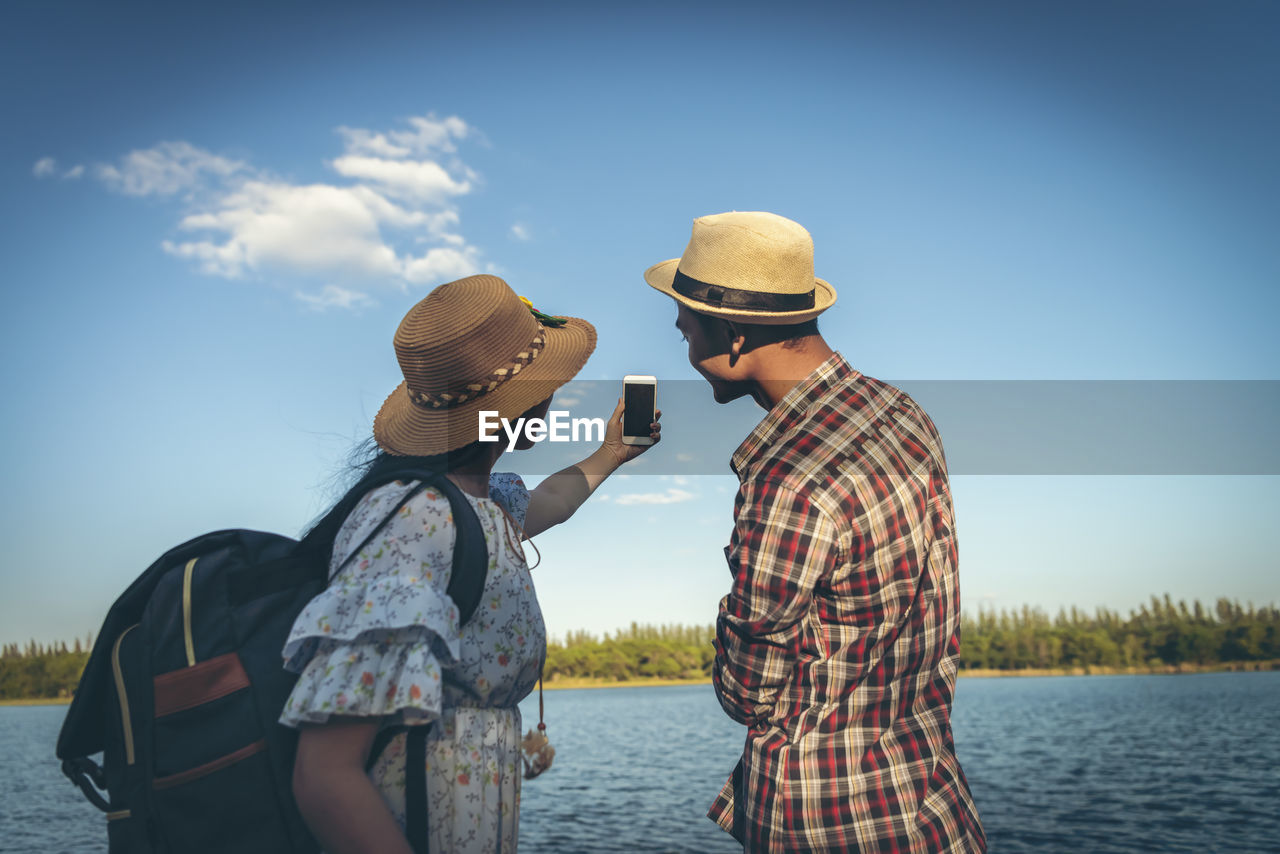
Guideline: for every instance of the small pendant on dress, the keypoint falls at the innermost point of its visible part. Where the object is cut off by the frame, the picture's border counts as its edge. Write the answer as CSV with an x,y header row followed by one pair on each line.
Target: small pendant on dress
x,y
537,752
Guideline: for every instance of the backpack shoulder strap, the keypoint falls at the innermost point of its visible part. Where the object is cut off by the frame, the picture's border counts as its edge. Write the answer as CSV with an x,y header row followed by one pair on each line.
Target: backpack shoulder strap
x,y
415,790
470,552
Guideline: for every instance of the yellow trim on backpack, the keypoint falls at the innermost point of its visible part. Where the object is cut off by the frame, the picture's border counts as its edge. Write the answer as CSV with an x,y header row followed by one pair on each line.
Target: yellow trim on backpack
x,y
186,612
125,722
119,814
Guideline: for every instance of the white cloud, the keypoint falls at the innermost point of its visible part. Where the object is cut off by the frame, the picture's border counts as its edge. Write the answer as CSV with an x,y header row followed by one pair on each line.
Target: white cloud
x,y
441,264
521,232
166,169
671,496
361,141
573,393
429,134
47,166
313,230
333,296
390,220
426,136
420,180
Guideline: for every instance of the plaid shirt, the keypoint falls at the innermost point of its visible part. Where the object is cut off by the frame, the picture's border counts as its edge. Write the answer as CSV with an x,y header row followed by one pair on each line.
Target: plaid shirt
x,y
838,643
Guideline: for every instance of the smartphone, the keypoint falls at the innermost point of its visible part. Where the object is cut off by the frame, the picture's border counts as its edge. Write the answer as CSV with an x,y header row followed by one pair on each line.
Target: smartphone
x,y
639,404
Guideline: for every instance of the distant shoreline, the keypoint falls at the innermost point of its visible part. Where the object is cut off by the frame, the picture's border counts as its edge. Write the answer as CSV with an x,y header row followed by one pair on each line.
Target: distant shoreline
x,y
1161,670
566,683
577,683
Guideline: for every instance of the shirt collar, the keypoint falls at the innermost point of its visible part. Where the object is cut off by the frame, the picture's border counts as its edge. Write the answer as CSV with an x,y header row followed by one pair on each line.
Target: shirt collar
x,y
790,410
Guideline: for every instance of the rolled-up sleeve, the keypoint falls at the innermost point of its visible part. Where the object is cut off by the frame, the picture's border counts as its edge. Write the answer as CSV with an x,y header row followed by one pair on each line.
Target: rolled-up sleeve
x,y
782,546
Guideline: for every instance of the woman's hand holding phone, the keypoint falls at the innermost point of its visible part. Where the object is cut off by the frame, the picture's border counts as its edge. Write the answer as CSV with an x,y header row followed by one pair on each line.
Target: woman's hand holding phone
x,y
559,496
613,443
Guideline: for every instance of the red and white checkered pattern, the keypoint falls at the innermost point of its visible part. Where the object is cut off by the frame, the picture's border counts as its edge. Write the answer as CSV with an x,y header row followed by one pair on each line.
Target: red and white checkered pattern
x,y
838,643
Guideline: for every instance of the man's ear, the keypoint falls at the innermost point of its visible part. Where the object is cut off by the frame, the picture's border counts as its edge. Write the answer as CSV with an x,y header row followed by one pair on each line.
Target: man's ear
x,y
737,340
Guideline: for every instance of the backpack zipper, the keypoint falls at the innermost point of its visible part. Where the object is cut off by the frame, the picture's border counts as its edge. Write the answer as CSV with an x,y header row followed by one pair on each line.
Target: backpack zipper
x,y
125,721
186,611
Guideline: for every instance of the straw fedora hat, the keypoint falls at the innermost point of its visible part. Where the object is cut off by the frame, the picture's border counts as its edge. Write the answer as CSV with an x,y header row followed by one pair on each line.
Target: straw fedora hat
x,y
747,266
473,345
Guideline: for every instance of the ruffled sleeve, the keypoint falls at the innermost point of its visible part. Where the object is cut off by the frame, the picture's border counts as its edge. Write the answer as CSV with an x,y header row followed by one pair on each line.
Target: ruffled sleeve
x,y
509,490
375,641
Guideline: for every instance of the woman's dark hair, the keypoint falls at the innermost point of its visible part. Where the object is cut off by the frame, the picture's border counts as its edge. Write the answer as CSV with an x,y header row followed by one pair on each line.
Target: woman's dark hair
x,y
369,466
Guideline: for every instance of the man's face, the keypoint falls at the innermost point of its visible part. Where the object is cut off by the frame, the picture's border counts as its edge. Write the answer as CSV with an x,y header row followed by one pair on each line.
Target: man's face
x,y
709,353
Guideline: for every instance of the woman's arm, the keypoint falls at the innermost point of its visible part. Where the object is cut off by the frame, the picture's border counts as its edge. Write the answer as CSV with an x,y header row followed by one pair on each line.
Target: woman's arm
x,y
337,799
557,498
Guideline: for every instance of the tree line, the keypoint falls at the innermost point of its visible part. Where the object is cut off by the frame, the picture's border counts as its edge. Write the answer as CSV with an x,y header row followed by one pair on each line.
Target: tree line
x,y
636,652
1158,634
38,671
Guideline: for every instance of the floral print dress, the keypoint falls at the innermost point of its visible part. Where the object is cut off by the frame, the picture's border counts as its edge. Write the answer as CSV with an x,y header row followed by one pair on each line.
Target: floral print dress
x,y
383,641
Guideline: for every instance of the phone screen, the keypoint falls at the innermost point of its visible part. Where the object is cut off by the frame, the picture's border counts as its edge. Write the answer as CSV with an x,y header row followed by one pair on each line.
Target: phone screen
x,y
637,400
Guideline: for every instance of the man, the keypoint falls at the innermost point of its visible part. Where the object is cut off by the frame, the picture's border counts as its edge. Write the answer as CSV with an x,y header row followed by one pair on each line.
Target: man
x,y
838,643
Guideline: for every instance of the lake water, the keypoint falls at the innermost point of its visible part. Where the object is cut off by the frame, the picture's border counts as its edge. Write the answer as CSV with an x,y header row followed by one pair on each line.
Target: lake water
x,y
1073,764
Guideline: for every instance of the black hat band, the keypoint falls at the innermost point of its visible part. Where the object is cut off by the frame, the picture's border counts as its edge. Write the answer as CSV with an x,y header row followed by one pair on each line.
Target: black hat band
x,y
719,296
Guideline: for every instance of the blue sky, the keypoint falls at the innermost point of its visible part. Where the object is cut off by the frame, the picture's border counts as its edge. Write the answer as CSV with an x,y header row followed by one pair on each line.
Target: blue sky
x,y
216,214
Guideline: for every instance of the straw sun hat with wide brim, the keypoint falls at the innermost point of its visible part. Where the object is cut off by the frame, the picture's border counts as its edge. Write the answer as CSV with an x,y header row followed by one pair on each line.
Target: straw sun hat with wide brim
x,y
471,346
750,267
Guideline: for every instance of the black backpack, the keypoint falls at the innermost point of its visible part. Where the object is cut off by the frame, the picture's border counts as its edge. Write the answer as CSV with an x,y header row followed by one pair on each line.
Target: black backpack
x,y
184,688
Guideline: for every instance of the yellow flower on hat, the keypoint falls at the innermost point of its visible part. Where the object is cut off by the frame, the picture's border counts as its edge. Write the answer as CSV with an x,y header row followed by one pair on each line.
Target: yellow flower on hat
x,y
544,319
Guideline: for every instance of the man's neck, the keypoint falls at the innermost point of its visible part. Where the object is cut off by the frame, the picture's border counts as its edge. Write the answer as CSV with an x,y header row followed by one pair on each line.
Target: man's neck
x,y
783,368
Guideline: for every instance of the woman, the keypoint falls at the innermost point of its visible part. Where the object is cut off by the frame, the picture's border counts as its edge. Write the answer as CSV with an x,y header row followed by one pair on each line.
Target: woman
x,y
381,646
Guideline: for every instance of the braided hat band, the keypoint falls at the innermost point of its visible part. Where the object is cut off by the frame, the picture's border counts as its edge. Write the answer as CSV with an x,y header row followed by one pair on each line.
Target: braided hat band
x,y
445,400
